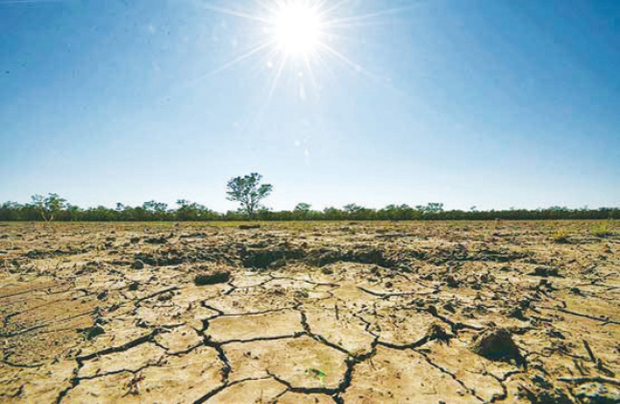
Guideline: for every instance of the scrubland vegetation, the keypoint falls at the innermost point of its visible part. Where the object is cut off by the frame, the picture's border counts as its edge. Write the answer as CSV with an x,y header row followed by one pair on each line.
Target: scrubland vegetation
x,y
191,211
249,193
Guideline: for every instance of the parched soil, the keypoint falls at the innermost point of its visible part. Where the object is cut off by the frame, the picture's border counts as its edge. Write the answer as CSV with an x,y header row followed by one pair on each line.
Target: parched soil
x,y
422,312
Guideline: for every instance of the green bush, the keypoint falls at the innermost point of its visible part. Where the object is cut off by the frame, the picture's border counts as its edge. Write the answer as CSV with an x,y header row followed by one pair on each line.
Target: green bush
x,y
561,236
601,230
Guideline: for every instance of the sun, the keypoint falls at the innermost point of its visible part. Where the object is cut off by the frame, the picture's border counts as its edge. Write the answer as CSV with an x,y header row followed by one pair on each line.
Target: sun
x,y
296,41
297,28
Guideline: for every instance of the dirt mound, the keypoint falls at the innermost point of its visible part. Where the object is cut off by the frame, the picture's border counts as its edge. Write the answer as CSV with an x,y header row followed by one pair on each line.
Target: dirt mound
x,y
269,257
497,344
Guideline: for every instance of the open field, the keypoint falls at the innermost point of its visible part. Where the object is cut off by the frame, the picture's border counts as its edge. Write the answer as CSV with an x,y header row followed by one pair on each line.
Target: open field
x,y
305,312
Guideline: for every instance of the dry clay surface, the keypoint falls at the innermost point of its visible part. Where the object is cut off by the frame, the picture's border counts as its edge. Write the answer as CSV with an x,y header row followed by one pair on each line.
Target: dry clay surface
x,y
422,312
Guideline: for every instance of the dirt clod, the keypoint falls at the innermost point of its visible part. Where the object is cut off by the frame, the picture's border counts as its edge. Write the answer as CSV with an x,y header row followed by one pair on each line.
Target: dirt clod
x,y
545,272
249,226
451,281
439,332
156,240
497,344
93,332
212,278
137,264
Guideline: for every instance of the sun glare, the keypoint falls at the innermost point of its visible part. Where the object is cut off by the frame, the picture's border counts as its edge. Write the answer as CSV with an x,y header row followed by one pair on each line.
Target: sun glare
x,y
297,29
297,38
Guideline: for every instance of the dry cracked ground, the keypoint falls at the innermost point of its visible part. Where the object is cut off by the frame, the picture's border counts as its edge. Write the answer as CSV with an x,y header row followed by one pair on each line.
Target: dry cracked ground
x,y
309,313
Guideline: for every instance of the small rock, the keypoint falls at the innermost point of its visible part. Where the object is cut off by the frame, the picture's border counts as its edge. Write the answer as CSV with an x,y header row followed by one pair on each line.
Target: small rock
x,y
134,286
93,332
452,281
433,310
419,302
137,264
165,296
449,307
545,272
517,313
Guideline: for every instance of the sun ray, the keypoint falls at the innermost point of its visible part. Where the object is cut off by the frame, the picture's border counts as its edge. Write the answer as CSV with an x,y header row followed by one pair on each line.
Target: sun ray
x,y
327,11
360,24
241,58
341,57
355,40
277,77
311,73
320,60
337,22
227,65
235,13
359,68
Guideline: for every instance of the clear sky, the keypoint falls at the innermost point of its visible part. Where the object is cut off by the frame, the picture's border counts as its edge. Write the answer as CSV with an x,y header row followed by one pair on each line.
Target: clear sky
x,y
493,103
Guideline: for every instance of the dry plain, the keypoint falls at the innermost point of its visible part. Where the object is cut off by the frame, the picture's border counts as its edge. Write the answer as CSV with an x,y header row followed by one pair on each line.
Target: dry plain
x,y
307,312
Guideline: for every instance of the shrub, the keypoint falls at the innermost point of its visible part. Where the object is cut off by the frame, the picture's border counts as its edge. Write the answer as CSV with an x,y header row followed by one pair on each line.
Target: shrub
x,y
601,230
560,236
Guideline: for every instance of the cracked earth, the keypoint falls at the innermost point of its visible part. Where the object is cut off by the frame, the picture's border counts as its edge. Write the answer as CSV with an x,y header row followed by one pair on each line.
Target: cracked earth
x,y
406,312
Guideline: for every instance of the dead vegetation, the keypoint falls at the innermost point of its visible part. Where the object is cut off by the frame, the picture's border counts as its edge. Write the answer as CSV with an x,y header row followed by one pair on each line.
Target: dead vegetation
x,y
293,313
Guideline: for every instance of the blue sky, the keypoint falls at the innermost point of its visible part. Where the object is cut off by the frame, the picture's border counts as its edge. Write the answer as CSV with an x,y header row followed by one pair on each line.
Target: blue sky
x,y
493,103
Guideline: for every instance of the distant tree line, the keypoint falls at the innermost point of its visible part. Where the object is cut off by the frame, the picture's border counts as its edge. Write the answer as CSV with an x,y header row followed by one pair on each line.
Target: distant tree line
x,y
55,208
